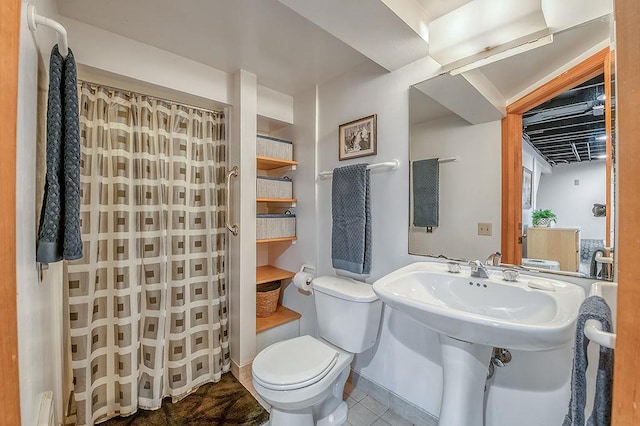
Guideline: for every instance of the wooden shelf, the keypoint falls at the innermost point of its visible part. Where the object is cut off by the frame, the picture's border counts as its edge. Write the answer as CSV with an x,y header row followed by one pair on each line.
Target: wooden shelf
x,y
277,200
267,163
276,240
268,273
281,316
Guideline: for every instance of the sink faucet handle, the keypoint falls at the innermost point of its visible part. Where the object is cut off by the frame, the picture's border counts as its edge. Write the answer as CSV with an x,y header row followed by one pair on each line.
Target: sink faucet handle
x,y
494,259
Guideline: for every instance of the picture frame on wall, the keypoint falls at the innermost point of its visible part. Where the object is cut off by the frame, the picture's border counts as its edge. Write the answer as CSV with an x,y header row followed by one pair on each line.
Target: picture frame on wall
x,y
358,138
527,190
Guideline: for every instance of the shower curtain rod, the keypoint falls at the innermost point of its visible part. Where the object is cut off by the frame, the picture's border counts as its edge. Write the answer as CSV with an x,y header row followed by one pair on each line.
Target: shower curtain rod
x,y
33,19
129,92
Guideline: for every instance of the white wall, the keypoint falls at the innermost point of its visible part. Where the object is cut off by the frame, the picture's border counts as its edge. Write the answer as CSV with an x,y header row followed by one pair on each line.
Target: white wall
x,y
406,359
573,203
534,162
404,347
468,187
292,257
39,303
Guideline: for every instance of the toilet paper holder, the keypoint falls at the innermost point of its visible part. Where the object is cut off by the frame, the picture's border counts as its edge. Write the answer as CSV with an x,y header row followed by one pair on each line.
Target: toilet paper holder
x,y
307,268
304,276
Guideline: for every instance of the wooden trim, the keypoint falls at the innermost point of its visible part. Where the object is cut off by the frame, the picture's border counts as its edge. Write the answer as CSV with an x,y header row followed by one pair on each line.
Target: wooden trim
x,y
608,69
511,189
626,384
9,46
512,147
576,75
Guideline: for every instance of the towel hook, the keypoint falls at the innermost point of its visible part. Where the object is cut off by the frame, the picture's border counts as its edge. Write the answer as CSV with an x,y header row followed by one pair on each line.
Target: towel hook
x,y
33,20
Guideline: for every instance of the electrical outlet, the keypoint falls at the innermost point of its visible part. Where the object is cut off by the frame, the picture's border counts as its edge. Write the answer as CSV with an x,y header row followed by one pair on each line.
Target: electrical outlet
x,y
484,229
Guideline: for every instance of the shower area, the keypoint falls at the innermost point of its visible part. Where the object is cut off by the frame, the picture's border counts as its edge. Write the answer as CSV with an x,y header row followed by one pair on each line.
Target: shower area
x,y
147,303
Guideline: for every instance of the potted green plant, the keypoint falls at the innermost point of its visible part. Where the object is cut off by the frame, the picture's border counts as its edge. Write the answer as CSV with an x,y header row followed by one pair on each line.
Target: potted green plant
x,y
543,217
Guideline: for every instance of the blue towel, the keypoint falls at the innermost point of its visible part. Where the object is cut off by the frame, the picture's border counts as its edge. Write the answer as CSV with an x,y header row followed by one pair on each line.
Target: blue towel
x,y
426,180
351,215
59,231
593,307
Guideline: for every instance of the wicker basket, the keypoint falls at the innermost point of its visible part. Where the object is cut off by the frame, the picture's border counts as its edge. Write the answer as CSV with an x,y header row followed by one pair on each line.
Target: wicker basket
x,y
267,296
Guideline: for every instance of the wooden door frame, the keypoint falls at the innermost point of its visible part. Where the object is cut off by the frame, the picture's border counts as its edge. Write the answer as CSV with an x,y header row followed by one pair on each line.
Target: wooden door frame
x,y
512,146
626,385
10,47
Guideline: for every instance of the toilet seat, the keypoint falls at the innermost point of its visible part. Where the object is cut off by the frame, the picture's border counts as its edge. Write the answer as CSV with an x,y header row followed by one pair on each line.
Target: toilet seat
x,y
294,363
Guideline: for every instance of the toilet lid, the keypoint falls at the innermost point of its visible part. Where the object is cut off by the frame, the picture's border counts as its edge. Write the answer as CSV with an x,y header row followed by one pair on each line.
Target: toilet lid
x,y
293,363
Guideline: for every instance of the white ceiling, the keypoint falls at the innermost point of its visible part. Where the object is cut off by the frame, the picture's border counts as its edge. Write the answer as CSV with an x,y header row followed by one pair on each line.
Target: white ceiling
x,y
287,52
513,75
438,8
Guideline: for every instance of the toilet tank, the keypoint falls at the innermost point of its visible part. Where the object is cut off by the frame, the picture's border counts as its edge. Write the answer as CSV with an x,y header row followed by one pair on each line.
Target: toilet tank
x,y
348,312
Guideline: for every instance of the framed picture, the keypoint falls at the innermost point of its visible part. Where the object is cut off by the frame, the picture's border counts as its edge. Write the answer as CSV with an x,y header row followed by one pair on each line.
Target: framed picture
x,y
526,188
357,138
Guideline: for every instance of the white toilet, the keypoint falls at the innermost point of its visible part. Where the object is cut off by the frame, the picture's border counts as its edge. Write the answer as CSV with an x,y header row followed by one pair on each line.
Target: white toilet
x,y
303,378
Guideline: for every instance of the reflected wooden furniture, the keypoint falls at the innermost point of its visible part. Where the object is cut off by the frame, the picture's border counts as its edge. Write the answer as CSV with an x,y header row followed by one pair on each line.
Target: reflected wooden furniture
x,y
559,244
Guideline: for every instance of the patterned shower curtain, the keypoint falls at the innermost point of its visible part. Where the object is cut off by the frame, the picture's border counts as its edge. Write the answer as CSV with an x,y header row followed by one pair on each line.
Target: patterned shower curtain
x,y
147,302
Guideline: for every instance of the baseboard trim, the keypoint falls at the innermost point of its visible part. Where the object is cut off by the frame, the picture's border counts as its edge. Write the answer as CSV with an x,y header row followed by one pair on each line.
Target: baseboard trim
x,y
395,403
242,373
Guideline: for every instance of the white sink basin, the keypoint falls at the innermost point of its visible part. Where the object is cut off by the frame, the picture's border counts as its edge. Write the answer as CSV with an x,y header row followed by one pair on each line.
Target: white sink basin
x,y
486,311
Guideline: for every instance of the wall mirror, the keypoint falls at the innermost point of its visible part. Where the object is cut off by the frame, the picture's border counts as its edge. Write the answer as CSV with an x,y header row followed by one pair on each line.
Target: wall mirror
x,y
474,191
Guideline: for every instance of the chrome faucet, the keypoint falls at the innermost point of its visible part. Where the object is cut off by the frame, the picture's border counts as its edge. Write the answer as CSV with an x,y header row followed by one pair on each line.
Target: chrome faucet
x,y
478,269
494,259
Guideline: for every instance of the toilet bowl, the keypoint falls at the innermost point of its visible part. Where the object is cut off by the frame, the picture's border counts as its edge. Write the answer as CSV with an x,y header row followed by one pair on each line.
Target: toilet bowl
x,y
303,378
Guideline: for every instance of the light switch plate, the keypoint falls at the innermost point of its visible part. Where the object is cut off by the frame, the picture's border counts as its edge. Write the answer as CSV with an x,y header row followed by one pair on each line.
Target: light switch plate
x,y
484,229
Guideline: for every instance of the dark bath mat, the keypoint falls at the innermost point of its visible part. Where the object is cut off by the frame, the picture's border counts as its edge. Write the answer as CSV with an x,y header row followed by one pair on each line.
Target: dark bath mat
x,y
224,403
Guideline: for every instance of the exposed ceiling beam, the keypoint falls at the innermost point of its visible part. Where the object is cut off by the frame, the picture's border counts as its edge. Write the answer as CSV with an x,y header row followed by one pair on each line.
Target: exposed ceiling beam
x,y
392,33
470,96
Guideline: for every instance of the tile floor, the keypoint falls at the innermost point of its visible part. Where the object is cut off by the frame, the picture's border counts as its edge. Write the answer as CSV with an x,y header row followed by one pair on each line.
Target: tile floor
x,y
363,409
366,411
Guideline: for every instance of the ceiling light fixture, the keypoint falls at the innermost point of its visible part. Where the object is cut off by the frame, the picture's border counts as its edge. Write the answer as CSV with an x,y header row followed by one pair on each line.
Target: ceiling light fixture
x,y
601,97
601,138
488,57
600,157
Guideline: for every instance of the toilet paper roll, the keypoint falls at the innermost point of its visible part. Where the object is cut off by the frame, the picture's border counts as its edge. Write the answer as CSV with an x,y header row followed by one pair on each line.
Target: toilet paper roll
x,y
302,280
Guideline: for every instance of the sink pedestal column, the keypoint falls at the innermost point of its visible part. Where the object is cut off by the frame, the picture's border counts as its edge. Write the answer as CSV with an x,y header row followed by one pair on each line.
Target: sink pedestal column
x,y
465,374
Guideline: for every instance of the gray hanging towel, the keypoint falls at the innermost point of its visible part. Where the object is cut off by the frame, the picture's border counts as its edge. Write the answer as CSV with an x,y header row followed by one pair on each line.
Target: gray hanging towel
x,y
593,307
351,216
59,230
426,193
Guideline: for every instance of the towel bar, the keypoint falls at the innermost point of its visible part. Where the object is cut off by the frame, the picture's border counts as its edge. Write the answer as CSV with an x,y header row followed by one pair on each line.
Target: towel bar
x,y
593,328
593,331
390,165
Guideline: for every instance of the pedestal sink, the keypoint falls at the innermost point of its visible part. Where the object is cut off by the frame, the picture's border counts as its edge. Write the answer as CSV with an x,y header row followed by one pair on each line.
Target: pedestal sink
x,y
473,315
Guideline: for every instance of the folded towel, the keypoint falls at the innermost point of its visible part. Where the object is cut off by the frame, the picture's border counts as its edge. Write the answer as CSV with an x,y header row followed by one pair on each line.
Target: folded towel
x,y
426,179
351,215
593,307
59,231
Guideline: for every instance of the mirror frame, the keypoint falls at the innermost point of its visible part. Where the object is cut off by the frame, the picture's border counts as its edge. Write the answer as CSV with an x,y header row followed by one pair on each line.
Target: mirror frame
x,y
512,147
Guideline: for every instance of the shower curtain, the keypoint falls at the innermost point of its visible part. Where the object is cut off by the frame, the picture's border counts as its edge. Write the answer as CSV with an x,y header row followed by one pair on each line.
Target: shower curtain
x,y
147,302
